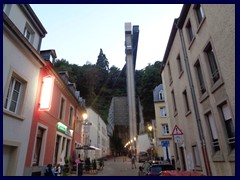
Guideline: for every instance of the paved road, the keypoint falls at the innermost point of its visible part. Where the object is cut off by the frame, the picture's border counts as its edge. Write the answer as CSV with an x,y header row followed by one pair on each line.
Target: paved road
x,y
119,167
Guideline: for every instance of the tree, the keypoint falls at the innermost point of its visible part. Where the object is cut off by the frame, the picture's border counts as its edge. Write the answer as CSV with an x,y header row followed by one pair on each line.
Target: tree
x,y
150,79
102,61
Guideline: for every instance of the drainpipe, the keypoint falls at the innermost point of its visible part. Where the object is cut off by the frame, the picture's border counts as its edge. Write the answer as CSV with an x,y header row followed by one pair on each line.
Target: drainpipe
x,y
199,125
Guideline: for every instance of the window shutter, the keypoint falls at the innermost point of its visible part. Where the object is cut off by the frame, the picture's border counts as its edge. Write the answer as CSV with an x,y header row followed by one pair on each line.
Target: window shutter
x,y
213,126
226,112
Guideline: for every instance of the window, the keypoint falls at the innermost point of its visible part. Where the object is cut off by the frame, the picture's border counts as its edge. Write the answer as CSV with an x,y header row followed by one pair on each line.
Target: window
x,y
227,117
161,95
58,139
212,63
213,130
163,112
77,124
169,73
15,94
190,31
196,157
38,146
180,70
174,103
165,129
186,101
62,107
28,33
199,12
70,116
67,147
200,77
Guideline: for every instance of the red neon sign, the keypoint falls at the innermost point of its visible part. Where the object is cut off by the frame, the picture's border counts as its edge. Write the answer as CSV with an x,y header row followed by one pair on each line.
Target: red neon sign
x,y
46,93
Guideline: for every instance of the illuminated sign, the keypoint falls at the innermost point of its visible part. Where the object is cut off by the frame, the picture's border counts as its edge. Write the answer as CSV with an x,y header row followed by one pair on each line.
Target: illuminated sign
x,y
46,93
61,127
64,129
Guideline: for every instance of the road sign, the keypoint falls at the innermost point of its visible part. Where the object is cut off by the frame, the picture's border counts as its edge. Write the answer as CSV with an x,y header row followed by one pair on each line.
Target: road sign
x,y
86,129
176,131
164,143
178,139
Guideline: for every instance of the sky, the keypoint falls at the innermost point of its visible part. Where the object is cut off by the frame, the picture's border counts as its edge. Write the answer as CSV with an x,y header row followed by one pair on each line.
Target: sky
x,y
77,32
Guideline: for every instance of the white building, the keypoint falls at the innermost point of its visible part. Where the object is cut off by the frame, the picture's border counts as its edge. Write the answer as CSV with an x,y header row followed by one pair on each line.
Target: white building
x,y
97,135
22,36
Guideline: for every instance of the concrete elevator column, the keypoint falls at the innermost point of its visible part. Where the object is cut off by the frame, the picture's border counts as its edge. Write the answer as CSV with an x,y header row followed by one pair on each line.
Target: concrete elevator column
x,y
130,70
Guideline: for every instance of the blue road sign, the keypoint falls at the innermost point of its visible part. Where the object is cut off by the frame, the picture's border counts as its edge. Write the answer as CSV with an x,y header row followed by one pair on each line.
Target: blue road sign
x,y
164,143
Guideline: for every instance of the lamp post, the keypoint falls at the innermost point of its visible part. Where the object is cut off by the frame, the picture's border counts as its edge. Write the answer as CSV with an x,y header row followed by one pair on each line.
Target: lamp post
x,y
135,148
86,126
150,128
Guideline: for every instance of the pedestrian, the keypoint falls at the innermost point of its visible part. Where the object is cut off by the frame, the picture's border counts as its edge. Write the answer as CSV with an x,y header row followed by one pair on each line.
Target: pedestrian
x,y
49,171
87,164
58,170
133,161
173,162
79,166
114,156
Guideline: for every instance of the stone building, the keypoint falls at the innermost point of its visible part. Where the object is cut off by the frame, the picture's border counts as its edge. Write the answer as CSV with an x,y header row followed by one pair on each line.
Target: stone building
x,y
119,122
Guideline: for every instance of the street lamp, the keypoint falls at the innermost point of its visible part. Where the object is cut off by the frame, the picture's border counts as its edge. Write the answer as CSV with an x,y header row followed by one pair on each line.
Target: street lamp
x,y
135,147
150,128
84,115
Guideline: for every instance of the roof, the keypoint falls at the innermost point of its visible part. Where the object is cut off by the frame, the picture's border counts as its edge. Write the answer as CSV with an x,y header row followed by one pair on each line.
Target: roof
x,y
33,17
177,23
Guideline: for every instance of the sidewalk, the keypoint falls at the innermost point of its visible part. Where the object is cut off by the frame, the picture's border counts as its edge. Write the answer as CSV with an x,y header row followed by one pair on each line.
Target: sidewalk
x,y
121,166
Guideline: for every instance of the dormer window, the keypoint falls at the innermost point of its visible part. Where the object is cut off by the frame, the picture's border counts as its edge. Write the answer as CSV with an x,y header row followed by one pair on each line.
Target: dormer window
x,y
161,95
28,33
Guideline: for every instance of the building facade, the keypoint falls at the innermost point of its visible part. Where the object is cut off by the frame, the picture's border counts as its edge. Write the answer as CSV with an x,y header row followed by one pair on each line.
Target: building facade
x,y
22,36
163,131
199,81
55,131
41,106
118,121
97,135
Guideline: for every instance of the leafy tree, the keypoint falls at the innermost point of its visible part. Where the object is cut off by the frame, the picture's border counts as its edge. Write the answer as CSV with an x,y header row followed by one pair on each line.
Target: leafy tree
x,y
150,79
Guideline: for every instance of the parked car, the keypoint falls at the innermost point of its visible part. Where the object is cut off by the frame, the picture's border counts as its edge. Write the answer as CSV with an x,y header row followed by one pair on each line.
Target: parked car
x,y
181,173
153,168
143,156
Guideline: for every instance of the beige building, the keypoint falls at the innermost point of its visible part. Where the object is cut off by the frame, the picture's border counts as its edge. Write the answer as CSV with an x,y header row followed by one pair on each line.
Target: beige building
x,y
199,79
163,137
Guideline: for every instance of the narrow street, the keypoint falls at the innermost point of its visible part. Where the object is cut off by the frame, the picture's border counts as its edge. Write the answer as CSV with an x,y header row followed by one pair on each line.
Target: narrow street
x,y
119,167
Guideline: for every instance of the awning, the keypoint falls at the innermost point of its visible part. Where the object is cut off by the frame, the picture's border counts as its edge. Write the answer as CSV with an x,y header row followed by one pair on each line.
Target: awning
x,y
86,147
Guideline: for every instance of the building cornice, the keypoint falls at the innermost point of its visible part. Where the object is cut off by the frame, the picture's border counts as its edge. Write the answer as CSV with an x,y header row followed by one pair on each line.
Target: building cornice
x,y
177,23
33,18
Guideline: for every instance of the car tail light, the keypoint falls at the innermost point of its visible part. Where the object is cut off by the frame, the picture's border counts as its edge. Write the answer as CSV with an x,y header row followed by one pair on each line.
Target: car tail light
x,y
149,174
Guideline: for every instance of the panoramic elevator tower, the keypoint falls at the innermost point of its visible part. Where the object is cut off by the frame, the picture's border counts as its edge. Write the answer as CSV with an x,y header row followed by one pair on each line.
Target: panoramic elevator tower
x,y
131,41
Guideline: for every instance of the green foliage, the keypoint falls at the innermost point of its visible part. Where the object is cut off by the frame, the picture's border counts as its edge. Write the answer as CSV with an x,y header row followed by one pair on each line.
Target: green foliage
x,y
98,84
150,79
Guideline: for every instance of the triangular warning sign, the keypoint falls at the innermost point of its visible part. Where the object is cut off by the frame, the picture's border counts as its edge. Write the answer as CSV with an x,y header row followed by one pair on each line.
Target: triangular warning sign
x,y
177,131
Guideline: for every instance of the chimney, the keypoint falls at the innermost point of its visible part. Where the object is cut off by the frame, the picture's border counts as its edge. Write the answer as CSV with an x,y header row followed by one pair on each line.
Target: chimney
x,y
49,55
64,75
